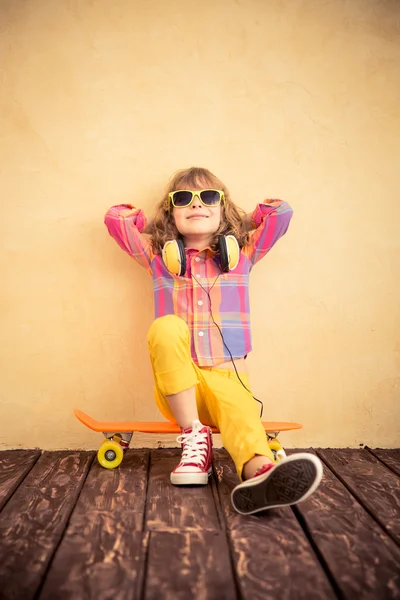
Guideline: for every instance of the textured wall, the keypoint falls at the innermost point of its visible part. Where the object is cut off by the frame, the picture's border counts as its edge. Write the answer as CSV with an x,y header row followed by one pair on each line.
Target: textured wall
x,y
101,100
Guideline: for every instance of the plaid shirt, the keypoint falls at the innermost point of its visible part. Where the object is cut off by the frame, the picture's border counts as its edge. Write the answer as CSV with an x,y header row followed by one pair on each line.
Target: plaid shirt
x,y
184,296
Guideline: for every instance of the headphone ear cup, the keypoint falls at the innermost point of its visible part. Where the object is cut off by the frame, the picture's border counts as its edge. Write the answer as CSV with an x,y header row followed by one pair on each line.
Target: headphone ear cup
x,y
229,252
223,253
174,257
182,257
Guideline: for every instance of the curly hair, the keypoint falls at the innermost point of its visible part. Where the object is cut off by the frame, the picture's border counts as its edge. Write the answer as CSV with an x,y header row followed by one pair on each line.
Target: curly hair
x,y
163,226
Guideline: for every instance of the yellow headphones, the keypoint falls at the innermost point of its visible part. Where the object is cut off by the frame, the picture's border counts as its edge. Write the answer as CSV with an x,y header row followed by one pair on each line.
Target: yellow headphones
x,y
174,256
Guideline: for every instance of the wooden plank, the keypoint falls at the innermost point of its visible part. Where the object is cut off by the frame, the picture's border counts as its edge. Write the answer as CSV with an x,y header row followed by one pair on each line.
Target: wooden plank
x,y
374,486
177,507
391,458
103,548
14,466
363,561
33,520
271,553
190,564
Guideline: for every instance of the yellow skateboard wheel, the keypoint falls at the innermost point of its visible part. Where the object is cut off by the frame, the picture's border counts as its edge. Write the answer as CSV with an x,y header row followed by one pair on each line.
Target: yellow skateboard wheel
x,y
277,449
110,454
275,444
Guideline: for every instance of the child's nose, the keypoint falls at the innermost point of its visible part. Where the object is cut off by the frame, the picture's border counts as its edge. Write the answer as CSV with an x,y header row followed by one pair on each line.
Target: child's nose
x,y
196,201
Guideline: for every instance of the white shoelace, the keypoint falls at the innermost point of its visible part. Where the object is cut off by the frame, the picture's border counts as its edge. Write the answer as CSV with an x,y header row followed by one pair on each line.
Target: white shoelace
x,y
194,448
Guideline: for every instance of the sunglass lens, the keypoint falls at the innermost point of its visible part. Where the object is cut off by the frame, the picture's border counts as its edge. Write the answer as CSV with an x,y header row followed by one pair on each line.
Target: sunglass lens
x,y
182,198
210,197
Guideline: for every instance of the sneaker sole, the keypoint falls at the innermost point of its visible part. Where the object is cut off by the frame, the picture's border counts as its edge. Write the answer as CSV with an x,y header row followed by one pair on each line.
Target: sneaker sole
x,y
190,478
290,482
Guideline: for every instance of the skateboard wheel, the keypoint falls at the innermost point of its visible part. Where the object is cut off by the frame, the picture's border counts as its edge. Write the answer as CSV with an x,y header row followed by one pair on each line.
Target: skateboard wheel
x,y
275,444
277,449
110,455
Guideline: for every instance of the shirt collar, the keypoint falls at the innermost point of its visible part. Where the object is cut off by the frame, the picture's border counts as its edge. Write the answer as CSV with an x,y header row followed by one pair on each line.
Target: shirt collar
x,y
193,251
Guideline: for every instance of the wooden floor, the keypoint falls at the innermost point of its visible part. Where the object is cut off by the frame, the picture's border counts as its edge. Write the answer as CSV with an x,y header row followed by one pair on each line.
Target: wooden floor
x,y
71,529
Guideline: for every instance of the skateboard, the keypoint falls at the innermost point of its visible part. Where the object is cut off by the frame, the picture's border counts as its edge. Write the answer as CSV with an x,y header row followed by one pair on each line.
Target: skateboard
x,y
119,434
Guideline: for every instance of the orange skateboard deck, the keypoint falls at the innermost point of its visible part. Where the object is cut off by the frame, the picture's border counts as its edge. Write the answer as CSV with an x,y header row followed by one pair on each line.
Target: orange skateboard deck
x,y
118,435
163,426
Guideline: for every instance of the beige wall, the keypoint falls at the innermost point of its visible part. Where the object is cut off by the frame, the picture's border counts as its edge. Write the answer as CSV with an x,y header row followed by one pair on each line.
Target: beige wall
x,y
100,102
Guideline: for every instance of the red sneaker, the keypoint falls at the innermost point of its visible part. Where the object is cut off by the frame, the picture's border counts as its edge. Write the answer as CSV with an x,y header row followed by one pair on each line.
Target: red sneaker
x,y
195,465
290,481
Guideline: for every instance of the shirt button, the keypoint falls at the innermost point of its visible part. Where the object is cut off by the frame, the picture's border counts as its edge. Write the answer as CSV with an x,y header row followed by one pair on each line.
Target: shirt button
x,y
200,303
198,275
197,259
201,333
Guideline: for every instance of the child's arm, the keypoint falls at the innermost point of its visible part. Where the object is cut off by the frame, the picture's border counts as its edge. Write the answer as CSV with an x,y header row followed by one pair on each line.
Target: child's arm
x,y
126,224
270,221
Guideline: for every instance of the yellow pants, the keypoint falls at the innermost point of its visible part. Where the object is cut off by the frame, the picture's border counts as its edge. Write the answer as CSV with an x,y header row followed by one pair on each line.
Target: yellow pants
x,y
221,399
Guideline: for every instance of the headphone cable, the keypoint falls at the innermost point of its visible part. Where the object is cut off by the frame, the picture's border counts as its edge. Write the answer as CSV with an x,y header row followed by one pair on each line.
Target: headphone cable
x,y
222,337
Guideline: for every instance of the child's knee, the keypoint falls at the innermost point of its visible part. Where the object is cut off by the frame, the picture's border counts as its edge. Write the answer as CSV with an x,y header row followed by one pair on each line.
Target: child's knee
x,y
166,329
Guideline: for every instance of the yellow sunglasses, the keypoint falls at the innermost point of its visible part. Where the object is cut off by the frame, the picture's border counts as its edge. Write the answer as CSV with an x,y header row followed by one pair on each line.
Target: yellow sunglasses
x,y
184,198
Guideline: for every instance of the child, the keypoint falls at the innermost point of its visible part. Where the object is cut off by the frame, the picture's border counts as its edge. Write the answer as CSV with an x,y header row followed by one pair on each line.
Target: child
x,y
200,253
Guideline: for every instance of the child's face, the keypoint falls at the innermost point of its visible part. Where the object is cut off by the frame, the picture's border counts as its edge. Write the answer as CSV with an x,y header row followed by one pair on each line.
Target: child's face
x,y
197,220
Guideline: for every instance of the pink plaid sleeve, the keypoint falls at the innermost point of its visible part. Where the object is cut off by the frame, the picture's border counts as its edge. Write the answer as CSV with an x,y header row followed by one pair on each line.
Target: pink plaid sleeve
x,y
271,220
126,224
